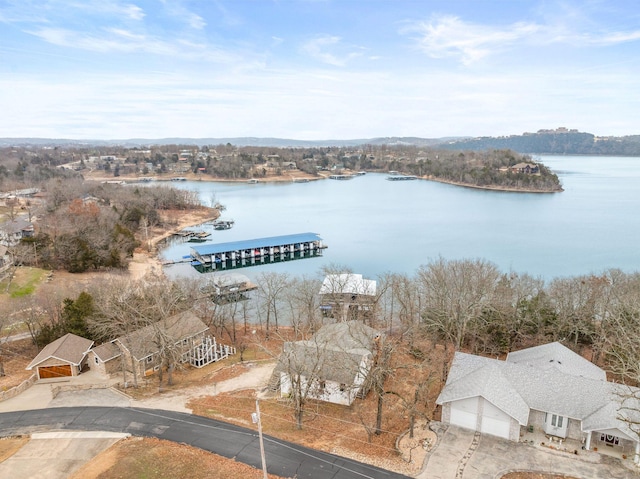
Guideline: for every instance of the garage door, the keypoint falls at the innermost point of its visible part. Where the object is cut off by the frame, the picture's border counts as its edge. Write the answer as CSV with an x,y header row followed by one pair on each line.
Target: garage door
x,y
464,413
494,421
47,372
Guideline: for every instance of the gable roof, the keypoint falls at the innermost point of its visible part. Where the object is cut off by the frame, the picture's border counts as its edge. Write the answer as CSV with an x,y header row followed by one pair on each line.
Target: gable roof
x,y
16,225
334,353
70,348
106,351
346,336
142,343
517,387
348,283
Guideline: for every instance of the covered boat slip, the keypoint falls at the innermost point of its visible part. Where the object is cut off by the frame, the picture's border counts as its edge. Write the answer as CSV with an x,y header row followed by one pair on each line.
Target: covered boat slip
x,y
238,254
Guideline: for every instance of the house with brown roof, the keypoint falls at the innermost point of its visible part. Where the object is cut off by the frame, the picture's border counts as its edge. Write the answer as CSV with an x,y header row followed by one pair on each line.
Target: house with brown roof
x,y
64,357
104,358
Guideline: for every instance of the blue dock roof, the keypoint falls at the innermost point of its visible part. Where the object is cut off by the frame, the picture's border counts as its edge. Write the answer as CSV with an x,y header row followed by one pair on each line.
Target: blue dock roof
x,y
207,249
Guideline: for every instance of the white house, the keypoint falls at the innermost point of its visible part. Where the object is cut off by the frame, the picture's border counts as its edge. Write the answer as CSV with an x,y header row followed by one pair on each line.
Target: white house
x,y
548,387
12,231
343,296
332,365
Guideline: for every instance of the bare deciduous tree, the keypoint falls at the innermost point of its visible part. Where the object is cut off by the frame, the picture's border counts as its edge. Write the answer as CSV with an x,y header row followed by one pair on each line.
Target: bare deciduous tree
x,y
455,294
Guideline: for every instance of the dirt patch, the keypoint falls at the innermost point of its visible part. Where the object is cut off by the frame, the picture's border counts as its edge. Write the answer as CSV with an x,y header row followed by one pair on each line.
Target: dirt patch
x,y
535,475
414,449
16,356
149,457
10,445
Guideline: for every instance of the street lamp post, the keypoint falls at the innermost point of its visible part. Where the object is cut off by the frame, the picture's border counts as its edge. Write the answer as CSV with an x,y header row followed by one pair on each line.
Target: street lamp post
x,y
255,417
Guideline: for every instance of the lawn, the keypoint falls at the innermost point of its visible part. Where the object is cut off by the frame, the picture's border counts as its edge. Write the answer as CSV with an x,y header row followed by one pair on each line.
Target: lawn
x,y
25,280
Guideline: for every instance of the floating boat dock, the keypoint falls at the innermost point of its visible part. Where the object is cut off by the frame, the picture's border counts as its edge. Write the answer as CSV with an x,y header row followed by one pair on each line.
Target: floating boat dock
x,y
401,177
238,254
341,177
223,224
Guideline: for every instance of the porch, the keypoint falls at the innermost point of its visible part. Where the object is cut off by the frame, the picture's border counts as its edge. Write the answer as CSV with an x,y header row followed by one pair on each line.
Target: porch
x,y
578,448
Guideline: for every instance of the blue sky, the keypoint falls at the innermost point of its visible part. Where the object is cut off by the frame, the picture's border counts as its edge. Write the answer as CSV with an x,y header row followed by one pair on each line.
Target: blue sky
x,y
317,69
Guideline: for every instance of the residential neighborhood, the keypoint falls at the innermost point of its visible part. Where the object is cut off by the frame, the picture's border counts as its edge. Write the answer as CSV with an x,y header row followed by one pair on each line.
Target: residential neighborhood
x,y
401,369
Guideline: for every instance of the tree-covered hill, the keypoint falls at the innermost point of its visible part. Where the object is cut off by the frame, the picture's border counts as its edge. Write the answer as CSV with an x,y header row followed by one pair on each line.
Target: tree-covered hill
x,y
556,142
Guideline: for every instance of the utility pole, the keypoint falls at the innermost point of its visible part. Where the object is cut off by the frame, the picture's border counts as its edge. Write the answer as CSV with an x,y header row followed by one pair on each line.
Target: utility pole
x,y
255,417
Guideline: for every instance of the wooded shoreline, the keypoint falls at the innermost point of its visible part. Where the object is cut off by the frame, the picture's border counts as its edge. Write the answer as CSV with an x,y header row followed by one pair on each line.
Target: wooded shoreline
x,y
292,178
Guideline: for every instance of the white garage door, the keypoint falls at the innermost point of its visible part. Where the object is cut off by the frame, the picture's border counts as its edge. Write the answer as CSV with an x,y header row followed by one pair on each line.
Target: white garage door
x,y
464,413
494,421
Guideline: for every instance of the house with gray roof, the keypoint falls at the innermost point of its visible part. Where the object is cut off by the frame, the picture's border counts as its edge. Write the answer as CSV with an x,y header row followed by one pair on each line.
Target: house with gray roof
x,y
64,357
547,387
12,231
330,366
142,349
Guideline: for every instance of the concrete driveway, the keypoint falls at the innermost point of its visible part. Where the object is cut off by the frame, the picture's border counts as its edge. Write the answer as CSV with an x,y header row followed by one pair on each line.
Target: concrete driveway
x,y
462,454
46,458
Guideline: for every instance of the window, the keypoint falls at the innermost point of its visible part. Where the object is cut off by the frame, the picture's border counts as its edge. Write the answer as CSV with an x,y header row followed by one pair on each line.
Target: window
x,y
343,386
610,439
95,358
323,385
556,421
149,359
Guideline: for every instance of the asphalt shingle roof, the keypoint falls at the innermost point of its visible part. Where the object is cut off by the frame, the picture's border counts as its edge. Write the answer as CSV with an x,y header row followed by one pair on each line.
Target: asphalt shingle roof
x,y
333,353
142,343
555,355
517,387
69,348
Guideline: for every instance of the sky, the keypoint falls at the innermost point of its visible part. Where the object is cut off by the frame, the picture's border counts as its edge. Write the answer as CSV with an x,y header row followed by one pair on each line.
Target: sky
x,y
317,69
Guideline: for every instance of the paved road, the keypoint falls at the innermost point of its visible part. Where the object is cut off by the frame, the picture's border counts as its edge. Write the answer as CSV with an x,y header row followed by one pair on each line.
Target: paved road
x,y
284,459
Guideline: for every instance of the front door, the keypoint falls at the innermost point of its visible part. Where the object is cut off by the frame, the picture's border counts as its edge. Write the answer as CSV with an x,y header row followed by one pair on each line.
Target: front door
x,y
555,424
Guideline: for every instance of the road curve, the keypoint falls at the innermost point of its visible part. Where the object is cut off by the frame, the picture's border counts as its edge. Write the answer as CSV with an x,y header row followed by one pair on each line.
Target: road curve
x,y
283,458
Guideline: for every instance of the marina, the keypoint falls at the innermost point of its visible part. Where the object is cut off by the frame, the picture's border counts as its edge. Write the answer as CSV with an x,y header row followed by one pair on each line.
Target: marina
x,y
239,254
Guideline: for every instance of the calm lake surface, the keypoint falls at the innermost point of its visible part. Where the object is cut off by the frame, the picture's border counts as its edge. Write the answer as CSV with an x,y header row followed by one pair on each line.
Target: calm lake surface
x,y
374,226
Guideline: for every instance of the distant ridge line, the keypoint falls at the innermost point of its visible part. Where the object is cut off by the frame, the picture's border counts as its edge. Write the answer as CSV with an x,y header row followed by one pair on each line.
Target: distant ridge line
x,y
239,141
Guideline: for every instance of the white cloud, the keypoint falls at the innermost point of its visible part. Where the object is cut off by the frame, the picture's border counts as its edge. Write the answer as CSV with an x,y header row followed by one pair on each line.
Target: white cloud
x,y
133,12
325,49
449,36
120,40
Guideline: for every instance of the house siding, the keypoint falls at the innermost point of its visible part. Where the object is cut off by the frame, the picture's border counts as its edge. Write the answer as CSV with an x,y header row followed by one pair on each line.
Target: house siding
x,y
574,427
446,413
514,430
105,368
574,430
330,393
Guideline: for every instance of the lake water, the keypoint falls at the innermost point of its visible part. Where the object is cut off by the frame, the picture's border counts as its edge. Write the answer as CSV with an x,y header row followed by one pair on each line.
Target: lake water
x,y
374,226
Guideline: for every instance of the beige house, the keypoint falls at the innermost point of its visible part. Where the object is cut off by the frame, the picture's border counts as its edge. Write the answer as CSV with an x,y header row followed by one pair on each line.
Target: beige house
x,y
142,349
104,358
64,357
